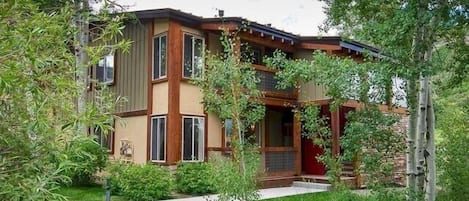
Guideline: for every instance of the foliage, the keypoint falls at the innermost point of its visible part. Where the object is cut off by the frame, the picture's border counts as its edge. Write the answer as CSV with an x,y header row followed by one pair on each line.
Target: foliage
x,y
89,158
145,182
383,195
453,144
194,178
367,128
229,89
114,171
233,184
37,96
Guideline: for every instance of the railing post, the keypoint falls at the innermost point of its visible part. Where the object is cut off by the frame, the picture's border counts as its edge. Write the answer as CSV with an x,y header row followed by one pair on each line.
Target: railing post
x,y
108,189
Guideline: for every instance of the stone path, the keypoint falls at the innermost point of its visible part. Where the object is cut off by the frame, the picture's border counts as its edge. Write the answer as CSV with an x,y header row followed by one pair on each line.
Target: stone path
x,y
264,193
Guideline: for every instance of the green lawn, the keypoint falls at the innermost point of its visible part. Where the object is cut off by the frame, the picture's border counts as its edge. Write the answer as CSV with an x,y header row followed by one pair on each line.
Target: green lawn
x,y
86,193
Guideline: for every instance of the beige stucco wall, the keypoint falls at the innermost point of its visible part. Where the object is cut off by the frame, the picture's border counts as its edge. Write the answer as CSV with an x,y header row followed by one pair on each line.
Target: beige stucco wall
x,y
160,98
190,100
192,31
133,129
160,26
214,131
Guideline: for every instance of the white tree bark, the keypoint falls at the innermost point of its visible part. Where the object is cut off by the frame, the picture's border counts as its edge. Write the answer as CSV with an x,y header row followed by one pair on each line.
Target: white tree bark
x,y
82,59
421,132
430,185
411,138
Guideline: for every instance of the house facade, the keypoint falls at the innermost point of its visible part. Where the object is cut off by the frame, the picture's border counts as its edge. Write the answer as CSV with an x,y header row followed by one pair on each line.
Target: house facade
x,y
163,120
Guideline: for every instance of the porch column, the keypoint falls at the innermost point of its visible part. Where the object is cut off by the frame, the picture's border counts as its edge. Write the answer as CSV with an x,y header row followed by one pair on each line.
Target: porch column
x,y
297,141
335,128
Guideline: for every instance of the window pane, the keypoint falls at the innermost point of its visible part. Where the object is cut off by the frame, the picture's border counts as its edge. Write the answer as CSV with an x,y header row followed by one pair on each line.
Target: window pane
x,y
187,55
198,59
228,132
187,137
154,140
156,58
100,70
109,68
163,56
161,137
199,138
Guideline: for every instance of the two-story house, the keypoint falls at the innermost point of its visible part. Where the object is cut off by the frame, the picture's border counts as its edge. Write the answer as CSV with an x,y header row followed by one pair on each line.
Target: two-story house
x,y
164,119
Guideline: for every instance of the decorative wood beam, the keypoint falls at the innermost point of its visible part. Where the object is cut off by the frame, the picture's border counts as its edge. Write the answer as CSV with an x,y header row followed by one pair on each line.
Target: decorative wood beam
x,y
216,26
315,46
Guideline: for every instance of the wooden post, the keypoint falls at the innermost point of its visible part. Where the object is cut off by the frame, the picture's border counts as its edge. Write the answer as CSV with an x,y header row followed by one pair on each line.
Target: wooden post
x,y
335,128
297,141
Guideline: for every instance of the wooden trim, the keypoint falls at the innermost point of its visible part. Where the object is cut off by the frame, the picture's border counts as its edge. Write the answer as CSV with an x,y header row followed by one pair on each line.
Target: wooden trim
x,y
278,102
277,149
281,174
218,149
219,26
315,46
150,28
316,102
132,113
263,68
282,95
266,41
205,137
335,129
174,74
159,80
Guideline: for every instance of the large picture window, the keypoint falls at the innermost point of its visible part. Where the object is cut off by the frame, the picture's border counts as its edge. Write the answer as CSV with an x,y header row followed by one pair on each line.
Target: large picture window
x,y
158,139
193,56
105,69
159,57
193,138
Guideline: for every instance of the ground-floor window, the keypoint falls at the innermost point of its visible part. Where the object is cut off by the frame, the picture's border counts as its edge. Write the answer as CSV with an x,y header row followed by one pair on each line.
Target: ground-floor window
x,y
105,137
158,138
193,138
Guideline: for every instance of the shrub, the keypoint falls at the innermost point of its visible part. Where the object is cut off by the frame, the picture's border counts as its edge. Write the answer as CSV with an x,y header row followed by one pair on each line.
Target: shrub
x,y
88,157
194,178
114,172
145,182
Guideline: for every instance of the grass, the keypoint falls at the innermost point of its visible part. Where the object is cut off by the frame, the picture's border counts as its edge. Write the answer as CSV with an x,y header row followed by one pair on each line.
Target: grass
x,y
322,196
95,193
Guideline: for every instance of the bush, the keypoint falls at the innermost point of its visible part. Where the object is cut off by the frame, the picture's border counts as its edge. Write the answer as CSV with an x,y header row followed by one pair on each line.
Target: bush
x,y
145,182
114,172
194,178
88,157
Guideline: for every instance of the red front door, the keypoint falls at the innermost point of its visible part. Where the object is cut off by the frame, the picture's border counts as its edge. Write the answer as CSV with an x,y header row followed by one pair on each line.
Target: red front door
x,y
310,164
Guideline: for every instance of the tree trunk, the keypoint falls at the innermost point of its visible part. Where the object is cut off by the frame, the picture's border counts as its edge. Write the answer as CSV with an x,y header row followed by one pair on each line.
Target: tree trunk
x,y
430,186
411,136
82,60
421,132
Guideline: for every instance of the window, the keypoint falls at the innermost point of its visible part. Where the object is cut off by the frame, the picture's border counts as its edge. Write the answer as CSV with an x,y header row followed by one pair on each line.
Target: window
x,y
193,138
105,69
105,138
228,127
159,57
193,56
158,139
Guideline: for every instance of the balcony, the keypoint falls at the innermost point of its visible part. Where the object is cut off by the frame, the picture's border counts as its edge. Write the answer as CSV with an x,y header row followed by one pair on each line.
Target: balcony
x,y
268,84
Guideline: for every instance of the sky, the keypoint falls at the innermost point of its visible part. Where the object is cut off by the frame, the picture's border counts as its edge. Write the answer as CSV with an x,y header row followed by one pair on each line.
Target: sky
x,y
295,16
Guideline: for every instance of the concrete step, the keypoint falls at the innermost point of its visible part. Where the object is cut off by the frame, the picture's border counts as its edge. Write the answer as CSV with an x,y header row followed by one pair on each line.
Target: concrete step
x,y
348,173
312,185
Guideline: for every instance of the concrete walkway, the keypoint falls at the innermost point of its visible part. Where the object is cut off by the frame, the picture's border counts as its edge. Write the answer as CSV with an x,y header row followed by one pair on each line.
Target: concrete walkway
x,y
264,193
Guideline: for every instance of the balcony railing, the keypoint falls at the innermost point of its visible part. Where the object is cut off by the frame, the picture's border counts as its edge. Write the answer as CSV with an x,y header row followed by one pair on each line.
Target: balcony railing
x,y
268,84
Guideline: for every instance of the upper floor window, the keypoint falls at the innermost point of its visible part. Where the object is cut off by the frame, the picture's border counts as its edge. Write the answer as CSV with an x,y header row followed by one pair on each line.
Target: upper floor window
x,y
159,57
105,69
193,56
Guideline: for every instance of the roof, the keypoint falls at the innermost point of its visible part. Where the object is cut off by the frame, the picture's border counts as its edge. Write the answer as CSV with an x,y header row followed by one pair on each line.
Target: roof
x,y
193,20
